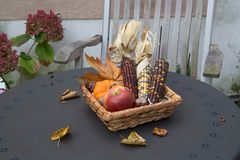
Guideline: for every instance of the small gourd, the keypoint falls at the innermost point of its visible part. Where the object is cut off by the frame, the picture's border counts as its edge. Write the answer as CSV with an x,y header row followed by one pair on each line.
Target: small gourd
x,y
102,87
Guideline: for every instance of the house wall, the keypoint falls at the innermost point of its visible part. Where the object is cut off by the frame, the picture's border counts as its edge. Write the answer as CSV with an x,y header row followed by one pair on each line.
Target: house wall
x,y
225,32
72,9
82,29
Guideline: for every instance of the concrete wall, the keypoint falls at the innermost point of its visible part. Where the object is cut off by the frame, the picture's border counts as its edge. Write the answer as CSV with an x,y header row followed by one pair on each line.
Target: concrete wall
x,y
226,32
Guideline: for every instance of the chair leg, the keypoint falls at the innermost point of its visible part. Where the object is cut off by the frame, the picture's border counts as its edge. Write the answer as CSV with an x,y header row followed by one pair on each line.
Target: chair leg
x,y
79,60
77,63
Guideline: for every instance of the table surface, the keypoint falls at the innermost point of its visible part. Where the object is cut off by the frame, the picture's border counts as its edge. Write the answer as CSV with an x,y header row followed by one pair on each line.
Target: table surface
x,y
29,113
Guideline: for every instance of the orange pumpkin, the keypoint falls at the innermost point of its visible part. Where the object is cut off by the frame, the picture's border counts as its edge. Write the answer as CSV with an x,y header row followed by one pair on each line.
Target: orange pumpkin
x,y
102,87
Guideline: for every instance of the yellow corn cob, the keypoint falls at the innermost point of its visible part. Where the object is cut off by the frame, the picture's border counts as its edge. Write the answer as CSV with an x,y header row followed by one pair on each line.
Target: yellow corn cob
x,y
144,82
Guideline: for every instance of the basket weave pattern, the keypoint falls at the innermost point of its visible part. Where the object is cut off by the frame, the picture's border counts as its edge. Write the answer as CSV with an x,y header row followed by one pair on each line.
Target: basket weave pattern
x,y
132,117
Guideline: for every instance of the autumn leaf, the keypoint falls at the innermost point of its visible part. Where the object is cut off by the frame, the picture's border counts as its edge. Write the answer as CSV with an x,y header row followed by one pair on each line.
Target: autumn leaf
x,y
57,135
134,139
160,132
90,77
97,65
113,69
109,70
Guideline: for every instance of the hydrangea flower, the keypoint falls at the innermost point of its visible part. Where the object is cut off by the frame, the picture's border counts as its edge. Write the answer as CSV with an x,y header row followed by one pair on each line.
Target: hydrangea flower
x,y
48,24
8,56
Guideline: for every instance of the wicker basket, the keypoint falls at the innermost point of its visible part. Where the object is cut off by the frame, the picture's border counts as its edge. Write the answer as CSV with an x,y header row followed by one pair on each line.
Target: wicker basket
x,y
132,117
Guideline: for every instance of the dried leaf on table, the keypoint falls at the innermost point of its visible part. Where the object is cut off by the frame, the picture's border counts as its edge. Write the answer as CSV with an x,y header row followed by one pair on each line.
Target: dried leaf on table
x,y
160,132
134,139
109,70
126,41
68,94
57,135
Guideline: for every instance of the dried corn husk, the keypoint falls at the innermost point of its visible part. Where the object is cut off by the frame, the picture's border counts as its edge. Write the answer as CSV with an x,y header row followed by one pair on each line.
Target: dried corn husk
x,y
144,47
126,41
69,94
142,65
144,73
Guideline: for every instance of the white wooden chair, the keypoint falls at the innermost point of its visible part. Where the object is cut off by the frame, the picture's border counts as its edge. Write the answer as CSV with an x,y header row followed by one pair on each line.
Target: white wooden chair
x,y
179,36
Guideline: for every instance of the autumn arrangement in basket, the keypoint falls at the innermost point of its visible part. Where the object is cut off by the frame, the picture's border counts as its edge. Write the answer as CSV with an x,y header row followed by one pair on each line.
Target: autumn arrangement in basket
x,y
127,90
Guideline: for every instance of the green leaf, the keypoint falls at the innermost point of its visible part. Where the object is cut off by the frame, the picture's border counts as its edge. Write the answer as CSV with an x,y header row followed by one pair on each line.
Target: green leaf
x,y
10,82
25,56
28,65
45,53
40,37
20,40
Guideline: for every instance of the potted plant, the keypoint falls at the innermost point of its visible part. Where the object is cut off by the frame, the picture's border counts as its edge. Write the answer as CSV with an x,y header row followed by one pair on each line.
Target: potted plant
x,y
8,58
42,29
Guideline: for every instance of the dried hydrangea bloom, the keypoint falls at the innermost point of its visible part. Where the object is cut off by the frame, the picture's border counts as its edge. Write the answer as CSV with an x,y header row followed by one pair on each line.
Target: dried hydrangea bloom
x,y
48,24
8,56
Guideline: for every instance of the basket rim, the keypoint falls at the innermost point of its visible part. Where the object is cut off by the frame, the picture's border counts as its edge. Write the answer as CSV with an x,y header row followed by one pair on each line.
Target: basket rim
x,y
173,100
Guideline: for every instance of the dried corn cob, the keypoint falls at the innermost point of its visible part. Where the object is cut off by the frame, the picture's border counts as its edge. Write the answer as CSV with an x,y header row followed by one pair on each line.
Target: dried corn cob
x,y
157,88
129,75
144,81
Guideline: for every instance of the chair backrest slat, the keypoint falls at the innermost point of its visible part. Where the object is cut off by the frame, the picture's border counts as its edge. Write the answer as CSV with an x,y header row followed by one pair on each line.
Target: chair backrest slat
x,y
175,36
106,26
115,20
165,31
137,7
175,42
146,13
196,38
207,39
155,28
126,10
185,36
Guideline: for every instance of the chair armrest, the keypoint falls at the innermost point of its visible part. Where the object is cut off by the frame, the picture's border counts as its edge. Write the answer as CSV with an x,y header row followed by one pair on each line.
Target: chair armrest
x,y
74,50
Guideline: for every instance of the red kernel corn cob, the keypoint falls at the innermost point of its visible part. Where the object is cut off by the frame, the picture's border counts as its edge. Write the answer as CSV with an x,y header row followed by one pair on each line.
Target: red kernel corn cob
x,y
129,75
157,88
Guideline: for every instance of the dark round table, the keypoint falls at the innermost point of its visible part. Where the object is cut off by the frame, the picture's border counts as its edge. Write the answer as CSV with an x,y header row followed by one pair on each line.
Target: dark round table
x,y
30,112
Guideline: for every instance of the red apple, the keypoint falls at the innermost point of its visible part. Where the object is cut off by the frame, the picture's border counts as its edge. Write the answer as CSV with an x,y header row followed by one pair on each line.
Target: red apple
x,y
119,98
